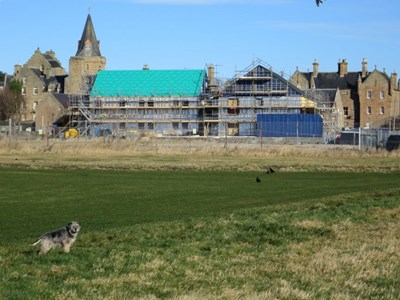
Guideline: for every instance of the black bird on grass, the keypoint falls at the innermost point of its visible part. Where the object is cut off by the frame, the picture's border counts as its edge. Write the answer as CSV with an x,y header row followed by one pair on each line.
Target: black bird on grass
x,y
258,180
270,171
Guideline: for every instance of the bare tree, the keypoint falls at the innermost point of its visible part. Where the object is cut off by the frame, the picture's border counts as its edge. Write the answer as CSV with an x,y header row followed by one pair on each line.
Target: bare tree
x,y
11,101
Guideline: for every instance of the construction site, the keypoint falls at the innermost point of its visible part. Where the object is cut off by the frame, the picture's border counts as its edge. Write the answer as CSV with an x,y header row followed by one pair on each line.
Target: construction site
x,y
184,102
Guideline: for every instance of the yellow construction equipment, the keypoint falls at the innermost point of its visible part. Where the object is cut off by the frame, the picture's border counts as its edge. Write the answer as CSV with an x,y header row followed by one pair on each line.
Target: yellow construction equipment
x,y
71,133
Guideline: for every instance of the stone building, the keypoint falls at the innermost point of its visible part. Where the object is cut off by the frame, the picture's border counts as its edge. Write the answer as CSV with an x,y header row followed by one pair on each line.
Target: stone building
x,y
50,108
368,99
41,74
83,67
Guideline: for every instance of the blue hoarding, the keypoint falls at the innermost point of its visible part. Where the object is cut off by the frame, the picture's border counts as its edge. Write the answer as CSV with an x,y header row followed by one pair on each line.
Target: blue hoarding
x,y
289,125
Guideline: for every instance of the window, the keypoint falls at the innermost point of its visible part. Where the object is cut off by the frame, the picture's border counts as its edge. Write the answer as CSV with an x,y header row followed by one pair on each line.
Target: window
x,y
141,126
382,95
346,111
35,105
369,94
382,110
150,126
233,111
23,91
35,91
175,125
185,126
369,110
150,104
24,79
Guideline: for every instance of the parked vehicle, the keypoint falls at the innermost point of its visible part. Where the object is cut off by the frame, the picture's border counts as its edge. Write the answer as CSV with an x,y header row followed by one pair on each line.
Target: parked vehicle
x,y
393,142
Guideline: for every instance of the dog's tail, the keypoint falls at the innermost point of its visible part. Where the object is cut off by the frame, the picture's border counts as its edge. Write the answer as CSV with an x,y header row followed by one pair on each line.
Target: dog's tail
x,y
37,242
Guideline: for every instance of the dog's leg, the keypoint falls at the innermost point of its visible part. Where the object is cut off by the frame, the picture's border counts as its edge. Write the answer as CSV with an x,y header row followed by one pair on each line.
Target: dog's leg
x,y
44,248
66,247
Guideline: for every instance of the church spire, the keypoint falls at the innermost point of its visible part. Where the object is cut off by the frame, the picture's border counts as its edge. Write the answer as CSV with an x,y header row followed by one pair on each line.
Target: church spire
x,y
88,45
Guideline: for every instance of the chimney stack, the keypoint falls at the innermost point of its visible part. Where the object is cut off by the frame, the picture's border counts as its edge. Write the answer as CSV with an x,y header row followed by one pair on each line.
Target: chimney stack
x,y
393,83
364,71
315,68
211,77
342,66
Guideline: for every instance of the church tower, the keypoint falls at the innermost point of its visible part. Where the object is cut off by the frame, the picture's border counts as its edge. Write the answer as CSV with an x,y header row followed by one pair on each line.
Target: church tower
x,y
83,67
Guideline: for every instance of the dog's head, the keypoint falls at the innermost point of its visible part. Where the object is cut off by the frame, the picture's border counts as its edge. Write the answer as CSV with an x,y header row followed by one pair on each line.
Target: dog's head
x,y
73,227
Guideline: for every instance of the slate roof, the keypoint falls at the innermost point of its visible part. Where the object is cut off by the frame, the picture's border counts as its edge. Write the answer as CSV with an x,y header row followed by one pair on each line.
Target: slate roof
x,y
149,83
62,98
53,63
332,80
56,80
88,37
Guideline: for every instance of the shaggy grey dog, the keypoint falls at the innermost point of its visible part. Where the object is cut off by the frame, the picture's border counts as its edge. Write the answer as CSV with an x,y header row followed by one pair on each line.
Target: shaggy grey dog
x,y
61,238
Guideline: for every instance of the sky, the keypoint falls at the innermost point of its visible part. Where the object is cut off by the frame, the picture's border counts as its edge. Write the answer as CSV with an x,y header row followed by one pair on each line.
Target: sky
x,y
192,34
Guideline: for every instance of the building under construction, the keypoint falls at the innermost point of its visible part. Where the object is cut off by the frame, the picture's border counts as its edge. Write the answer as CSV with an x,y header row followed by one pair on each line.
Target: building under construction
x,y
185,102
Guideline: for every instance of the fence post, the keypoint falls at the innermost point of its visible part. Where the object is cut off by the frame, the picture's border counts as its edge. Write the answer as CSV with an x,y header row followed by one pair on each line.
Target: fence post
x,y
9,128
226,136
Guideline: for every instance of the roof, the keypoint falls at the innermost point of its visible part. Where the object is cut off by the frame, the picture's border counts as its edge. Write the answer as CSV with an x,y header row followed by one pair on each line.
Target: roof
x,y
49,80
278,83
53,62
332,80
88,44
161,83
62,98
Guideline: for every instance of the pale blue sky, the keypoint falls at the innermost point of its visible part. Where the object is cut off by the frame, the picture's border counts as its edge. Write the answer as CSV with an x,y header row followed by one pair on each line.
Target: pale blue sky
x,y
178,34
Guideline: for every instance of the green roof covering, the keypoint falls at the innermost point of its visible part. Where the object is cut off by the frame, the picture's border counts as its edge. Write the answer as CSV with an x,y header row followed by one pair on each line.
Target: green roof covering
x,y
149,83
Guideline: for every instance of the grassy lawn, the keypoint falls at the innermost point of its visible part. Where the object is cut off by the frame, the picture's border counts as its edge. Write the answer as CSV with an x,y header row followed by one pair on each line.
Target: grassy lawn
x,y
201,234
41,199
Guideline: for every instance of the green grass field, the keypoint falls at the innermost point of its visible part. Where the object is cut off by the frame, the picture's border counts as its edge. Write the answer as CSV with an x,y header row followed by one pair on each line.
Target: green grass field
x,y
201,234
41,199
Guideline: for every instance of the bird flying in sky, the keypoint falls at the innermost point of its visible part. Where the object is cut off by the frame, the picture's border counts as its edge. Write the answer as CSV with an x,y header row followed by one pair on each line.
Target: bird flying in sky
x,y
319,2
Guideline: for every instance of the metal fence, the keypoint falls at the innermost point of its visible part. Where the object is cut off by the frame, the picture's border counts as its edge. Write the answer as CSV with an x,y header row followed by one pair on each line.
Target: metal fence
x,y
366,138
